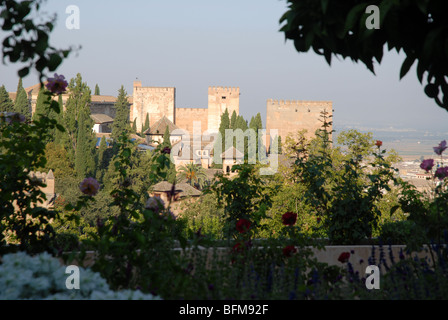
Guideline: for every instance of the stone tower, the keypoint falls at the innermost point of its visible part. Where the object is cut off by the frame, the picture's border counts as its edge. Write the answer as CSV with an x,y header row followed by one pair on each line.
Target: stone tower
x,y
220,98
290,116
155,101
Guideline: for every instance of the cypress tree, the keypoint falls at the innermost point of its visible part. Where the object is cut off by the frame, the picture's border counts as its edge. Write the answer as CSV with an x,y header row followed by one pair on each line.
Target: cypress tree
x,y
233,120
101,157
42,104
85,145
166,138
220,140
19,87
146,126
121,121
6,104
21,103
59,136
78,109
97,90
134,126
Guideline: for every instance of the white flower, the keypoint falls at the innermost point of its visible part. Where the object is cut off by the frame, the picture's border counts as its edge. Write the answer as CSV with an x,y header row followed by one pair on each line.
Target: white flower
x,y
26,277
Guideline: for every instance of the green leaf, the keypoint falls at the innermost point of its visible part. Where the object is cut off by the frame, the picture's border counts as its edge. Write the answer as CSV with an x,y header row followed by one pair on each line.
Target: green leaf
x,y
420,70
54,62
407,64
393,209
354,15
24,72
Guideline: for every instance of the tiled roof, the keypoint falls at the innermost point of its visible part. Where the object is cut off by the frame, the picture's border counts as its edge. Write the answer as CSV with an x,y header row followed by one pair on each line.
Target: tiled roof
x,y
101,118
183,189
159,127
188,191
232,153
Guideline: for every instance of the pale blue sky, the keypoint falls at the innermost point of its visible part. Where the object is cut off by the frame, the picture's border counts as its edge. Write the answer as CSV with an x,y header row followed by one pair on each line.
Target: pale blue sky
x,y
192,45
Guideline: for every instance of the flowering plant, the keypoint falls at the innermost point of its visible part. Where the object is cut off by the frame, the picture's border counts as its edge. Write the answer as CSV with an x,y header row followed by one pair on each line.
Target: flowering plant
x,y
428,210
43,277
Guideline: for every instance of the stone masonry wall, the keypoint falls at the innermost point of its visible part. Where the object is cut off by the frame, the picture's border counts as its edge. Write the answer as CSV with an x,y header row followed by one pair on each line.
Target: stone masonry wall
x,y
290,116
155,101
186,116
220,98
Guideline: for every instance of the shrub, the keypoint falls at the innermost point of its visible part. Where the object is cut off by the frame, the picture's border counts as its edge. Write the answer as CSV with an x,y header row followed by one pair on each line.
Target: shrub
x,y
43,277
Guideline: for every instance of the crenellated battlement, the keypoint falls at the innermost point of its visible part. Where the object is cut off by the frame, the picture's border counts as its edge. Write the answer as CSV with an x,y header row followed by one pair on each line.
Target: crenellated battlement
x,y
155,89
296,102
222,90
43,176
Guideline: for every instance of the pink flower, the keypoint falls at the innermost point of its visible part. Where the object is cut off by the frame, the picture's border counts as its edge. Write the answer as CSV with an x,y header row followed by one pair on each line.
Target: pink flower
x,y
89,186
441,173
427,164
440,148
57,84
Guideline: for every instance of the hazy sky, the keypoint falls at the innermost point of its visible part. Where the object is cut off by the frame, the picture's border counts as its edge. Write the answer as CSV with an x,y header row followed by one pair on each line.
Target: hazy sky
x,y
192,45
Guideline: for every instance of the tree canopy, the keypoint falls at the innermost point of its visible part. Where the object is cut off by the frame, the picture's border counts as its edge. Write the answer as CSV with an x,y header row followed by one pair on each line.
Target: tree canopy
x,y
418,28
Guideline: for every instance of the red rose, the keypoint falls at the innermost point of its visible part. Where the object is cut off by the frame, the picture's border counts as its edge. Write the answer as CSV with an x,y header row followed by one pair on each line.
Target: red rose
x,y
379,143
289,218
243,225
289,250
343,257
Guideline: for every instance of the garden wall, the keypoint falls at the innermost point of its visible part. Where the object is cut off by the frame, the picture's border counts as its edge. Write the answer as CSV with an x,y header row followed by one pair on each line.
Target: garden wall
x,y
360,255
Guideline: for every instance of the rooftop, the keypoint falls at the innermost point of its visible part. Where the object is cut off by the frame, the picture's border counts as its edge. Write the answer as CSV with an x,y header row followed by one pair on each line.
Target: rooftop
x,y
160,126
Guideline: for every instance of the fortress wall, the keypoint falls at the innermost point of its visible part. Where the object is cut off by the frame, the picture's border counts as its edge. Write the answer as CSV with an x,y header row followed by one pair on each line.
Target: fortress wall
x,y
186,116
220,99
156,101
291,116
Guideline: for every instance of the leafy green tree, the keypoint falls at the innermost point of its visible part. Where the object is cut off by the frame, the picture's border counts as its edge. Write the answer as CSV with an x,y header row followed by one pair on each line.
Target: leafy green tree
x,y
97,90
42,102
6,103
85,145
205,216
101,159
59,135
242,197
413,27
21,103
121,121
26,41
193,173
58,161
78,102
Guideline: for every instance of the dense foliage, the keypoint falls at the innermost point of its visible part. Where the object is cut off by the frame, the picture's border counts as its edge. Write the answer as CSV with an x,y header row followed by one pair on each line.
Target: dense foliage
x,y
347,193
417,28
